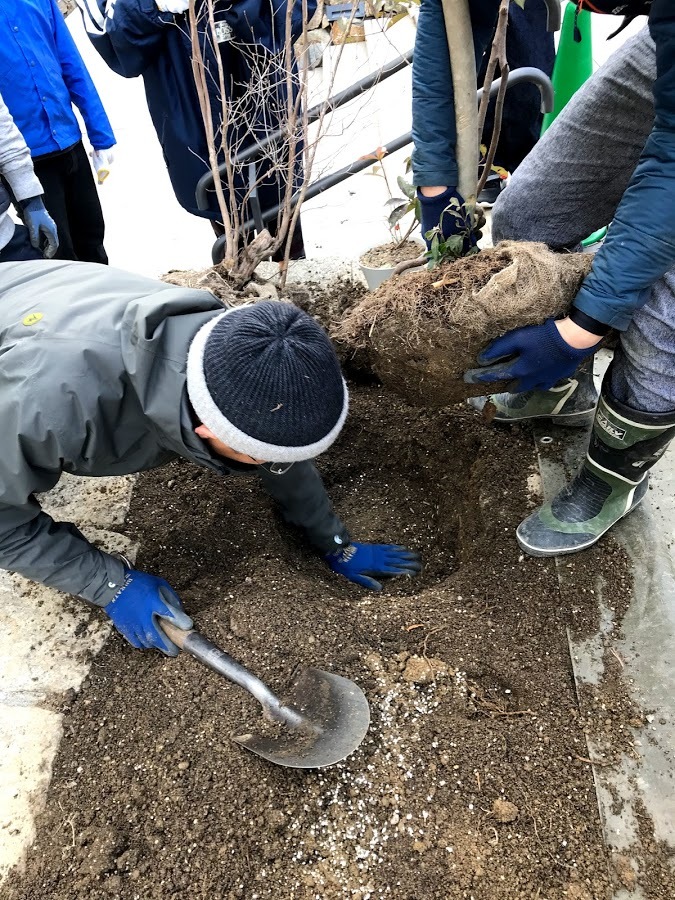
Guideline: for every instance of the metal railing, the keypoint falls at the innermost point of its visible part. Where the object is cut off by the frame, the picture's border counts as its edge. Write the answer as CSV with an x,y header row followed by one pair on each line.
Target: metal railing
x,y
205,183
259,217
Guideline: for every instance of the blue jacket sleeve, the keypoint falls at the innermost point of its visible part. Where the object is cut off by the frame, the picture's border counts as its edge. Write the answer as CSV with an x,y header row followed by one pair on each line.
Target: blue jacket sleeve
x,y
77,79
433,106
433,110
130,36
640,246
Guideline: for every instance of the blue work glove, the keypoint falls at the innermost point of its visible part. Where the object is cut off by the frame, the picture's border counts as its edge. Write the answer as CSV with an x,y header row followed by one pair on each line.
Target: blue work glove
x,y
41,226
141,602
433,213
534,357
360,563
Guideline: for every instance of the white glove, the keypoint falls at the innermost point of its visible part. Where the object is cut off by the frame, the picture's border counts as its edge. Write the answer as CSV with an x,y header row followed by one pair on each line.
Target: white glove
x,y
102,160
172,6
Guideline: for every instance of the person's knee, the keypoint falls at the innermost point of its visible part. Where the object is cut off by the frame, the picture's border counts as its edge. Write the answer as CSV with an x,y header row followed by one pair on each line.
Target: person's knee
x,y
19,247
508,224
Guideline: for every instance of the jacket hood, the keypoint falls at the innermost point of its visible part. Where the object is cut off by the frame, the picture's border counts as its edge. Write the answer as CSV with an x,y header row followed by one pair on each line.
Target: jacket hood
x,y
155,340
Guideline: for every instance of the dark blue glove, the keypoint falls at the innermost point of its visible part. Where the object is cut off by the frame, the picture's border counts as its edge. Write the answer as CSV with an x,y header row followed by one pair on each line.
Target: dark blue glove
x,y
142,600
361,562
41,226
534,357
434,214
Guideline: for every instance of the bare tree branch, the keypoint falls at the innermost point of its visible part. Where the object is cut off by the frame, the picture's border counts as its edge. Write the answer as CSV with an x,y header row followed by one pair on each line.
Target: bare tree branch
x,y
497,56
201,84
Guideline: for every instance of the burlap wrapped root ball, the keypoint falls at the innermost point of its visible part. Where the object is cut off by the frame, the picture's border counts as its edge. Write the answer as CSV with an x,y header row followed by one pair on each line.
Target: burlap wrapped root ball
x,y
423,330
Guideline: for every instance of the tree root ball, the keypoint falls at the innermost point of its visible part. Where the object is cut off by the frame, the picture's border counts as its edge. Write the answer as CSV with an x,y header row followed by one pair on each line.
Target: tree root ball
x,y
423,330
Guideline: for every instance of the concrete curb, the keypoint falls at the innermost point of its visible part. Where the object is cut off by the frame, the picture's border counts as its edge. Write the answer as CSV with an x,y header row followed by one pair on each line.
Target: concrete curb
x,y
47,643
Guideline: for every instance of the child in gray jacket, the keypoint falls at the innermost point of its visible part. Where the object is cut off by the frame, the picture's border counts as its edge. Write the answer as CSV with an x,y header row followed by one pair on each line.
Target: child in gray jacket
x,y
39,237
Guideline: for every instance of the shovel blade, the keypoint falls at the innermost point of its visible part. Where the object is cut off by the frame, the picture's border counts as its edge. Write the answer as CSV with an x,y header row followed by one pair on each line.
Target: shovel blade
x,y
335,719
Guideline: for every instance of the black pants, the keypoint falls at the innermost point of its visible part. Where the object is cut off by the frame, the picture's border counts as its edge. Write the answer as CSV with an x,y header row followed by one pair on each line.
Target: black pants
x,y
528,43
19,248
72,201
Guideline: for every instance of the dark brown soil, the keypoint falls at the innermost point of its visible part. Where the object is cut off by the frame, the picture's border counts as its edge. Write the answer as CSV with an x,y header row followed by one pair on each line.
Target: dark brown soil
x,y
653,859
388,255
469,783
328,303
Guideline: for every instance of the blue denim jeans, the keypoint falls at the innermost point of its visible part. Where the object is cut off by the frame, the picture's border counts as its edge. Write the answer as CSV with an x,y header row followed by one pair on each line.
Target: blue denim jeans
x,y
19,247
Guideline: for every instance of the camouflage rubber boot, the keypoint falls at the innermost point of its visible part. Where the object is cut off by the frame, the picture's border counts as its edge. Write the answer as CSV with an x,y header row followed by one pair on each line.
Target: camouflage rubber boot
x,y
612,480
571,402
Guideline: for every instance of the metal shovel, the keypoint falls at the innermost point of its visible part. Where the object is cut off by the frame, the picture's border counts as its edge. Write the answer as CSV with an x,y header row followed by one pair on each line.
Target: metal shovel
x,y
323,719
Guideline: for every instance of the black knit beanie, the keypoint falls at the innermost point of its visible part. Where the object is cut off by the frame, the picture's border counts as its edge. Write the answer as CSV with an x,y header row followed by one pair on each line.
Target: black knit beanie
x,y
264,378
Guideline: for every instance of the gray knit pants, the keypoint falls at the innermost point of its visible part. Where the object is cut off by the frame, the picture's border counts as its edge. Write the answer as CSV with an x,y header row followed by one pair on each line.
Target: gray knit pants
x,y
571,184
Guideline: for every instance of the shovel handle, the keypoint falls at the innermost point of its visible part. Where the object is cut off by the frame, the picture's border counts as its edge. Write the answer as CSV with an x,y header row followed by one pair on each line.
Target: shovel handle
x,y
210,655
178,635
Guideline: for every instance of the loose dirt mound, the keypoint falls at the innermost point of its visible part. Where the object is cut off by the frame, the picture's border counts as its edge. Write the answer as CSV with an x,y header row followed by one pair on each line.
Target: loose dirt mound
x,y
466,668
327,303
212,279
424,330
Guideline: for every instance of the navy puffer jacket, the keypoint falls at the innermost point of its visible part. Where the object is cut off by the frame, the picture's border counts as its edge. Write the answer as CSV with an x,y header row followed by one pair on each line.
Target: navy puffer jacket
x,y
135,38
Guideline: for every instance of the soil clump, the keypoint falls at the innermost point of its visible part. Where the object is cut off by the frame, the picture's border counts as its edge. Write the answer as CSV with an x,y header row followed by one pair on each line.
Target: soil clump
x,y
423,330
468,783
213,279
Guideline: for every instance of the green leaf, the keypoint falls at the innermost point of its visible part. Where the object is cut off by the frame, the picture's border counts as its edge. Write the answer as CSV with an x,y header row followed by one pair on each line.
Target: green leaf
x,y
448,211
408,189
396,201
455,244
396,215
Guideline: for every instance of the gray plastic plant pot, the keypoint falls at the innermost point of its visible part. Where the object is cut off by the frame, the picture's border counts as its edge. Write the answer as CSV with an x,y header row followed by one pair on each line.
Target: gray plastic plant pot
x,y
375,277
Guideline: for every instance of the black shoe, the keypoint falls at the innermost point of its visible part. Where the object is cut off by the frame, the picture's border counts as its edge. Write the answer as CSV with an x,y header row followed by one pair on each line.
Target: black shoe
x,y
492,189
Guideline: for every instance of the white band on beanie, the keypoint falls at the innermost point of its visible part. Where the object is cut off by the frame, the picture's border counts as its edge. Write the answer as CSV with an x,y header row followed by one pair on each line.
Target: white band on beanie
x,y
209,414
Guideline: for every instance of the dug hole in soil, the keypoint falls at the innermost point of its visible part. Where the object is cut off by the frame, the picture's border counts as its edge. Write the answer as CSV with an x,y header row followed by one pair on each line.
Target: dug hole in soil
x,y
471,782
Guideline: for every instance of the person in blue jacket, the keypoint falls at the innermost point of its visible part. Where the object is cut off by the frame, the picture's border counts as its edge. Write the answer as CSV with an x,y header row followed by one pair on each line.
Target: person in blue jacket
x,y
42,77
151,38
434,166
610,156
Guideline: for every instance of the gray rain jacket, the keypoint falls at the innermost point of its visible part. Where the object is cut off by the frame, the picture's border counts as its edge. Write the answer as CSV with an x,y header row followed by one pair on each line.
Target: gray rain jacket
x,y
16,166
92,382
